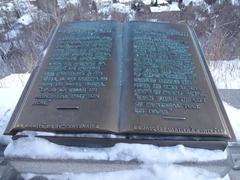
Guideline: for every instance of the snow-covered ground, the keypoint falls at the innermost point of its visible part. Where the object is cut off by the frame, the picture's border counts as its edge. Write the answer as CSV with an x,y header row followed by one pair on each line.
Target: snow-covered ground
x,y
157,162
14,81
170,7
8,100
201,2
107,6
30,147
26,19
11,88
63,3
234,117
226,74
194,2
155,172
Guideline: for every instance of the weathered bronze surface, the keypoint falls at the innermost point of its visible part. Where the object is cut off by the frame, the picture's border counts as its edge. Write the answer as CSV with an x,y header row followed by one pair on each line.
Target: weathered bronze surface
x,y
135,78
75,88
168,87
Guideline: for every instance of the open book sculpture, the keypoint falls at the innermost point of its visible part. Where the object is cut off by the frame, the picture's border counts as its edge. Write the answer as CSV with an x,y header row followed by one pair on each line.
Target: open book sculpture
x,y
146,81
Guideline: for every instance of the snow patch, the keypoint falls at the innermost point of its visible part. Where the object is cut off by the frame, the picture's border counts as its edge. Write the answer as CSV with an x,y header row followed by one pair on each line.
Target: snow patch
x,y
154,172
5,47
151,157
63,3
26,19
170,7
11,34
147,2
7,7
14,80
201,19
234,117
226,74
89,135
1,21
200,3
8,100
24,7
30,147
194,2
122,8
107,6
11,88
235,2
162,2
124,1
103,6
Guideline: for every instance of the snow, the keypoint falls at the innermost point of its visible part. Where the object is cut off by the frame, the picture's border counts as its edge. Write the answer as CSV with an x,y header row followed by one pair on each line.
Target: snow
x,y
14,81
25,7
235,2
26,19
200,3
201,19
124,1
11,88
90,135
1,20
30,147
5,47
147,2
194,2
234,117
155,172
226,74
105,7
151,157
7,7
162,2
170,7
122,8
11,34
63,3
8,100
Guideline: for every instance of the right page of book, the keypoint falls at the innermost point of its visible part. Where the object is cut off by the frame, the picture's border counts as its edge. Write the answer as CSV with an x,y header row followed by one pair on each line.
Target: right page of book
x,y
166,89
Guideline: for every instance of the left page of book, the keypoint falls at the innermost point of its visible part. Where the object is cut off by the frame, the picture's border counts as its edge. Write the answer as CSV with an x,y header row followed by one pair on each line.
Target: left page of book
x,y
76,86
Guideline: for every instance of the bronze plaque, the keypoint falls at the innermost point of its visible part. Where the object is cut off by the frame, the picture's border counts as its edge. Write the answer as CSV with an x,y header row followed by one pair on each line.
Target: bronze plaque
x,y
75,88
168,88
136,78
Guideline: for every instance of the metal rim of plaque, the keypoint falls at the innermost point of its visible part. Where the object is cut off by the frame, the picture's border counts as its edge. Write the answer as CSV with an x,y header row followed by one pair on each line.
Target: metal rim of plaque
x,y
146,82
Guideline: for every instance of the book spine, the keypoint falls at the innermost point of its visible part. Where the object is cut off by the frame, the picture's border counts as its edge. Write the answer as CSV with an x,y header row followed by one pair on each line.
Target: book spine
x,y
119,51
124,73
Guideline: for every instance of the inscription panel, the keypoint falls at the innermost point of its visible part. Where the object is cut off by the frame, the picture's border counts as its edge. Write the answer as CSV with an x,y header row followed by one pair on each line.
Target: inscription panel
x,y
125,78
168,90
164,72
75,69
76,86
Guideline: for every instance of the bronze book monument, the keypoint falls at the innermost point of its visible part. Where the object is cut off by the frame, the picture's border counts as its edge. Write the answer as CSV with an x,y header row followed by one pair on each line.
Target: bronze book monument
x,y
146,81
